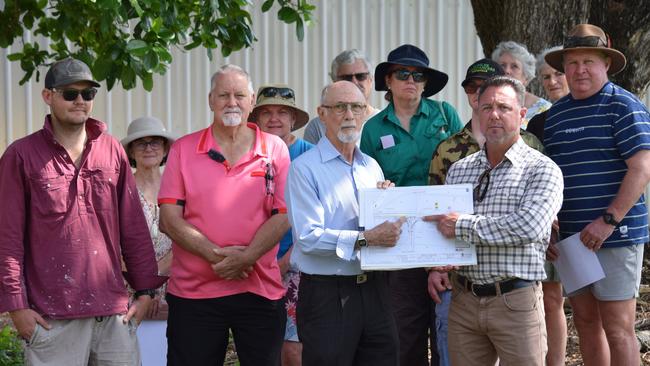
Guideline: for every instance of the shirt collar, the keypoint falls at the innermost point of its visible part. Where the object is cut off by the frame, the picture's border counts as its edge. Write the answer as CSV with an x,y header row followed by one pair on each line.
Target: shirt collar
x,y
329,152
466,132
206,141
94,128
515,154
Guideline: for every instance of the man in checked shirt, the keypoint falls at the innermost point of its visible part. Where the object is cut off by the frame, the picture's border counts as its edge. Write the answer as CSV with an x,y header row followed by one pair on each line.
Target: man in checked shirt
x,y
497,309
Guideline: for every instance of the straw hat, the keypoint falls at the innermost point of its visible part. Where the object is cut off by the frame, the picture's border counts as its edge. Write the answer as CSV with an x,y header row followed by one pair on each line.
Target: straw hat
x,y
279,94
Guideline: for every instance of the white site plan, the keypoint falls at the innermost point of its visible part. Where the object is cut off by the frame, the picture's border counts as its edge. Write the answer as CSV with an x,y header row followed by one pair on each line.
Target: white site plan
x,y
420,244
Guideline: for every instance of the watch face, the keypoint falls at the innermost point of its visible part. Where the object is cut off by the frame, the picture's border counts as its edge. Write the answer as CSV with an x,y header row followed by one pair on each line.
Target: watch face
x,y
609,219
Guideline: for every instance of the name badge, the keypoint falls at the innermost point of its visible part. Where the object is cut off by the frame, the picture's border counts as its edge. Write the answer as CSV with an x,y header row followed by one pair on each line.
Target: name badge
x,y
387,141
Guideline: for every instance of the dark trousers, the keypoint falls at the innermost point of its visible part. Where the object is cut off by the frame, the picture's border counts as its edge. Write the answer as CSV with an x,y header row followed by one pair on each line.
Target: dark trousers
x,y
197,330
414,313
344,323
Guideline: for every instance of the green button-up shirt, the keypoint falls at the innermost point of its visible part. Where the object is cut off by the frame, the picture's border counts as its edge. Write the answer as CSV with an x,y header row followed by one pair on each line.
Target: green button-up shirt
x,y
407,162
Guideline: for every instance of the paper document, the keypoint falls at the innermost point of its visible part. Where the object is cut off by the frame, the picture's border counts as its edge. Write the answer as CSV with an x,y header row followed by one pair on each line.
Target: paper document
x,y
420,244
577,265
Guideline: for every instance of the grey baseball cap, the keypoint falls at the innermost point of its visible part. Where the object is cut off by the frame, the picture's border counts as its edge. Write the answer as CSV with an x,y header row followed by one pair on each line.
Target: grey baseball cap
x,y
68,71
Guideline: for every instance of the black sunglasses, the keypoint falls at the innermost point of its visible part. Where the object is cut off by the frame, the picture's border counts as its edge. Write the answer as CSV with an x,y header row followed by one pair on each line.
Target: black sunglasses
x,y
69,95
471,87
360,76
403,74
586,41
480,191
284,93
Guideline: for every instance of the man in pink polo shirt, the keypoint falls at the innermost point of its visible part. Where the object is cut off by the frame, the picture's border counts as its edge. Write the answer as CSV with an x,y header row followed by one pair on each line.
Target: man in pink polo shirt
x,y
222,203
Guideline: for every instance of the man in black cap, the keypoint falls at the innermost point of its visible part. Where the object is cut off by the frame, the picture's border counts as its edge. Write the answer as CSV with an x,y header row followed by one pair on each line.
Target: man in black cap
x,y
599,135
70,216
468,141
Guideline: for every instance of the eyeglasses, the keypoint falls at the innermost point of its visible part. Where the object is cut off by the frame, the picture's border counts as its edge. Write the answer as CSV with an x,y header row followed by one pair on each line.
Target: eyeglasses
x,y
69,95
471,87
284,93
586,41
480,191
403,74
342,108
156,144
360,76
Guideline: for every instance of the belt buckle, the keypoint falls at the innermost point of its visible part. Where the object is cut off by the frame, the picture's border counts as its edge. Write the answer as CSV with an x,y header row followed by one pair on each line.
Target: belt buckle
x,y
362,278
471,288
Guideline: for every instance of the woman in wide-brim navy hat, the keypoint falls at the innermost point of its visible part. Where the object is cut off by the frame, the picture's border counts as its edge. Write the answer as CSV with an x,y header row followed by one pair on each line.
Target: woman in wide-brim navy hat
x,y
402,138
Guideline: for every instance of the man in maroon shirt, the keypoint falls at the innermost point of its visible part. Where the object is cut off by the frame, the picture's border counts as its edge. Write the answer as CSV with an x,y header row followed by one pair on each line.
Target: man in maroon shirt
x,y
70,214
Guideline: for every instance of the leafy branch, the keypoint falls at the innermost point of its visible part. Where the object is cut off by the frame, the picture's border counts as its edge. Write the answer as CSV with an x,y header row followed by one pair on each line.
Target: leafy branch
x,y
129,39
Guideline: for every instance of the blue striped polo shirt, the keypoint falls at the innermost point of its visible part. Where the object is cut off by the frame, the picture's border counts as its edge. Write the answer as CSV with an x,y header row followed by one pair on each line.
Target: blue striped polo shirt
x,y
589,139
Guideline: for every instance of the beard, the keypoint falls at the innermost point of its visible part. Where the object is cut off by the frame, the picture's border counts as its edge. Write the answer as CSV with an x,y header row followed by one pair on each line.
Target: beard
x,y
348,137
231,119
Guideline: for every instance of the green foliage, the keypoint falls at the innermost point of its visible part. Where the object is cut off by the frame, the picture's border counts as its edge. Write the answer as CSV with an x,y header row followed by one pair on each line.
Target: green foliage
x,y
11,350
129,39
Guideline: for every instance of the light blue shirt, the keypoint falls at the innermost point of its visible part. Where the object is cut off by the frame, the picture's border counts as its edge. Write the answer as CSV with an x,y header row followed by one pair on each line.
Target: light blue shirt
x,y
322,199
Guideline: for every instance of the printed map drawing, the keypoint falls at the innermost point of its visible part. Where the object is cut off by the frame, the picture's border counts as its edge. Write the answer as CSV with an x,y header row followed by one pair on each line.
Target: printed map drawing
x,y
420,244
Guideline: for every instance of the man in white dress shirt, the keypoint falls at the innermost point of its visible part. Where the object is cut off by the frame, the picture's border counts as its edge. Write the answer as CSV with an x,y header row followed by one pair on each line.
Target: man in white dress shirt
x,y
343,313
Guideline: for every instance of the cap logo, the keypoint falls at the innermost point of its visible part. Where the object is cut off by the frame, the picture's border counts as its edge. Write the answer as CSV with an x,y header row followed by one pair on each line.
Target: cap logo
x,y
482,68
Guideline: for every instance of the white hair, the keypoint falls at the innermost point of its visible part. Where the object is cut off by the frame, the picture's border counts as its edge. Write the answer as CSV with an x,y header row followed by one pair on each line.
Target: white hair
x,y
228,68
520,52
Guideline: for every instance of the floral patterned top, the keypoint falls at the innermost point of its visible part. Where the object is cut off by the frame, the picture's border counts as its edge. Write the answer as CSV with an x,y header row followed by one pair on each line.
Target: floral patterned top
x,y
162,244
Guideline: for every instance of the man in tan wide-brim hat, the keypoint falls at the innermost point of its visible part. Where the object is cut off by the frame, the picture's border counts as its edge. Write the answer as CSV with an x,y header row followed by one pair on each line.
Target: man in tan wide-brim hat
x,y
599,135
584,37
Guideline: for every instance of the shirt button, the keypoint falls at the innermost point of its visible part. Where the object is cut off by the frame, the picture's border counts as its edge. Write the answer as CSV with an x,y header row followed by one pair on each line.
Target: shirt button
x,y
81,196
48,185
110,179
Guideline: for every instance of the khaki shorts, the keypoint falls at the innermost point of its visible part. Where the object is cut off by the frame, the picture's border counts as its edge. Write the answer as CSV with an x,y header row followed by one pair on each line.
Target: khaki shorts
x,y
552,274
100,341
622,267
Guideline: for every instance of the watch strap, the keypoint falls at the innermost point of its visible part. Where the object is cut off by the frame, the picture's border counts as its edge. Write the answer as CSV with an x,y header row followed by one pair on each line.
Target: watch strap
x,y
150,292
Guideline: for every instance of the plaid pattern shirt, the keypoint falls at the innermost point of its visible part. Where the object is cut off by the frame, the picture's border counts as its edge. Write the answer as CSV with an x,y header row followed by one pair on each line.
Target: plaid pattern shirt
x,y
511,226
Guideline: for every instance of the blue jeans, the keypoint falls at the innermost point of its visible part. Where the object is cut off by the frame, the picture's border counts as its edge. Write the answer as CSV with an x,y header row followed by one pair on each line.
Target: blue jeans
x,y
442,315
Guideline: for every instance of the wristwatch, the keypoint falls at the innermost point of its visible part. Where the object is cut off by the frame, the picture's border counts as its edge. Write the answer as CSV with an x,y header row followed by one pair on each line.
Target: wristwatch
x,y
609,219
361,240
151,293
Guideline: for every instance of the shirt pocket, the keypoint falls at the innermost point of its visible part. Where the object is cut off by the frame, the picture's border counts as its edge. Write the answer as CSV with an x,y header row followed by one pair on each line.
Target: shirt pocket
x,y
104,188
50,194
437,130
396,160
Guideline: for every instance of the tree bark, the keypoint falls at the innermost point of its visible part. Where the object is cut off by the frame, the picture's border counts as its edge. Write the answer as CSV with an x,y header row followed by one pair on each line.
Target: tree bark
x,y
542,24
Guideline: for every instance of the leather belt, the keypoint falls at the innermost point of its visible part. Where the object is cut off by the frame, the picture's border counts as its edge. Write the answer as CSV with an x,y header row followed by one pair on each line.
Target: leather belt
x,y
355,279
493,289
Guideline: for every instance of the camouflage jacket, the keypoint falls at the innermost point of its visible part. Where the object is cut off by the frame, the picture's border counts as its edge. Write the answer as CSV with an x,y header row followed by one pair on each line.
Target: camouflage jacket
x,y
461,145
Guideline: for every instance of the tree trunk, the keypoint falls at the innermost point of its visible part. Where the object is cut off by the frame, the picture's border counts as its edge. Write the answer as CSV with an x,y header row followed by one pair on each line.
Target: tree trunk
x,y
542,24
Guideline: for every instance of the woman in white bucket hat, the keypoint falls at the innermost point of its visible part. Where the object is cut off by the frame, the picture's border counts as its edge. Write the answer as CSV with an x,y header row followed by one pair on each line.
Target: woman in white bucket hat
x,y
147,144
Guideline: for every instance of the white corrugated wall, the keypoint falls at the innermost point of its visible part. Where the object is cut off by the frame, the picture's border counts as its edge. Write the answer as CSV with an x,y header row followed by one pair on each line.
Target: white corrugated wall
x,y
444,29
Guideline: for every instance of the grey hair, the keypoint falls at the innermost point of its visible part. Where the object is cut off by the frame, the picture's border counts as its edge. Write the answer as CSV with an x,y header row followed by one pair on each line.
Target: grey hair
x,y
498,81
323,94
520,52
228,68
540,58
348,57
